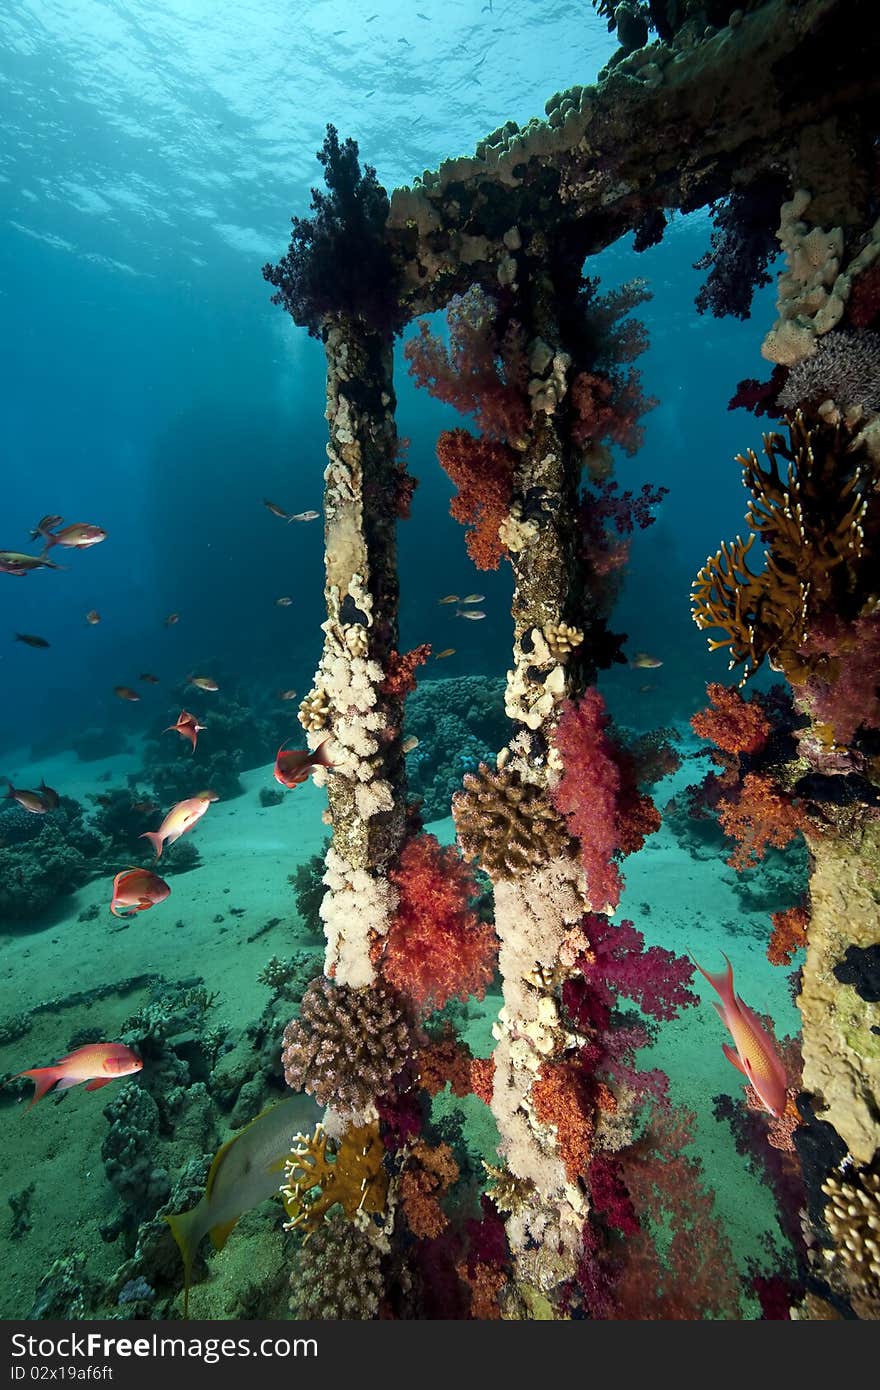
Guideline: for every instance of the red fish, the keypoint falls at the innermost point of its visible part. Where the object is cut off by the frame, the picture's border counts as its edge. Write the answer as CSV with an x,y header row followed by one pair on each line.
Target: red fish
x,y
187,726
97,1063
179,820
78,536
137,890
292,764
755,1052
34,802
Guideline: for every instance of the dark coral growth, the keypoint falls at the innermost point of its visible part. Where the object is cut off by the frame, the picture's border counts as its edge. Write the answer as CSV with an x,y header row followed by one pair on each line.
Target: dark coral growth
x,y
338,261
347,1045
743,245
460,723
860,968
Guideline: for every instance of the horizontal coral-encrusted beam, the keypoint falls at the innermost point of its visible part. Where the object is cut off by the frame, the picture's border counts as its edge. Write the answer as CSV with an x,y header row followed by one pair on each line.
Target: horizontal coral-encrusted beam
x,y
791,85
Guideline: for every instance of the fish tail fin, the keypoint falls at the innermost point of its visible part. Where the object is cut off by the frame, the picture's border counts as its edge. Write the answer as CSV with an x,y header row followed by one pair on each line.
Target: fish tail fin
x,y
10,789
183,1228
155,840
44,1078
722,982
321,755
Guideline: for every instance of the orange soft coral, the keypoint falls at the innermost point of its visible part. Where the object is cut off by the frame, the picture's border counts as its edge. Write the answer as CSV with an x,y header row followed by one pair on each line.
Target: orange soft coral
x,y
789,934
560,1098
400,677
483,1078
733,724
482,471
445,1059
436,948
758,817
429,1172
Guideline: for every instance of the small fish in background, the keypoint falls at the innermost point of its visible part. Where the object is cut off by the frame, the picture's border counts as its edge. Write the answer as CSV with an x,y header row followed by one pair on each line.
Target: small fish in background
x,y
286,694
246,1170
755,1051
96,1063
125,692
78,536
304,516
284,602
45,524
187,726
409,744
473,598
148,678
15,562
31,801
447,651
137,890
144,807
203,682
646,689
180,819
643,661
292,764
274,508
172,619
473,615
450,598
50,796
93,617
30,640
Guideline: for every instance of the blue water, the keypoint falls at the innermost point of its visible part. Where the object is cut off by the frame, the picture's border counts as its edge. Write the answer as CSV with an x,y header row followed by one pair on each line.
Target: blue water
x,y
152,155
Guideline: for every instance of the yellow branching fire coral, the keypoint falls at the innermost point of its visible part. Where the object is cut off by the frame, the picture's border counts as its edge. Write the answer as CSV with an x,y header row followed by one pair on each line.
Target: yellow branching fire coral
x,y
809,513
321,1174
506,823
507,1191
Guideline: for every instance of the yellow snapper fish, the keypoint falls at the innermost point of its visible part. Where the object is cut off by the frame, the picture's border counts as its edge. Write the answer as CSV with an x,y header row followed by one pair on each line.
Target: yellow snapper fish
x,y
246,1170
644,661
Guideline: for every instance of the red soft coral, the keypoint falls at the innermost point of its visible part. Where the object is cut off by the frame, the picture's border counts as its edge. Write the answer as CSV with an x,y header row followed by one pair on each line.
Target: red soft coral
x,y
436,948
599,795
400,673
482,471
734,724
483,372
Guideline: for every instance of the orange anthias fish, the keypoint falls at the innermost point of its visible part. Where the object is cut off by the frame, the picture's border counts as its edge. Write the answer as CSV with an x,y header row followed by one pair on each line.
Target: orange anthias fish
x,y
187,726
179,820
137,890
755,1052
34,802
203,682
96,1063
292,764
79,536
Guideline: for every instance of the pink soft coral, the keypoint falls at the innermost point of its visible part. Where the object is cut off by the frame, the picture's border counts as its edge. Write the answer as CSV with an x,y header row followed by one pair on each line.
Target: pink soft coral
x,y
436,948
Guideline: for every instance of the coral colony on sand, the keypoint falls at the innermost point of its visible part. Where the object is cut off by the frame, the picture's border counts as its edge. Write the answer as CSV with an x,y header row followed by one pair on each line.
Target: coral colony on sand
x,y
596,1207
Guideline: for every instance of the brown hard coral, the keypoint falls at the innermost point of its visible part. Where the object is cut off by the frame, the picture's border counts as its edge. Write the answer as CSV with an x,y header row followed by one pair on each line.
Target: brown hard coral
x,y
852,1216
338,1274
506,823
347,1045
562,639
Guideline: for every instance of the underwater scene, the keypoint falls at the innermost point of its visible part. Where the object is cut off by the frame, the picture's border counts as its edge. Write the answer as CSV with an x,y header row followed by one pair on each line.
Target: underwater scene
x,y
440,660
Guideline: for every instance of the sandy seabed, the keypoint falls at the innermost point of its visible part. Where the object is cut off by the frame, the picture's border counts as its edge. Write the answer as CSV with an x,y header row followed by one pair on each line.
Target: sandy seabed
x,y
214,925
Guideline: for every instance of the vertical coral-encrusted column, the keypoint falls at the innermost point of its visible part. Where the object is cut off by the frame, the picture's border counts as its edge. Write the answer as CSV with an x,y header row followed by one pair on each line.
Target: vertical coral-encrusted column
x,y
539,883
366,786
